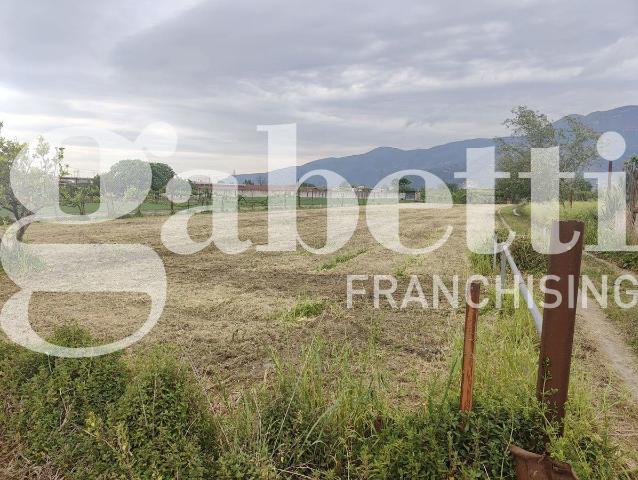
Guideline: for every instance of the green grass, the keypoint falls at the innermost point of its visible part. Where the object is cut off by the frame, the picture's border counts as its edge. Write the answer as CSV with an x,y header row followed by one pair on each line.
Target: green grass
x,y
244,204
624,319
326,414
401,270
4,213
339,259
584,211
306,308
146,207
513,340
587,212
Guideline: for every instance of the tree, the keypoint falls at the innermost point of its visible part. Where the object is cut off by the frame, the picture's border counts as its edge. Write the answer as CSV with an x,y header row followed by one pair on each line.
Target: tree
x,y
9,150
79,195
125,186
161,175
37,171
404,184
532,129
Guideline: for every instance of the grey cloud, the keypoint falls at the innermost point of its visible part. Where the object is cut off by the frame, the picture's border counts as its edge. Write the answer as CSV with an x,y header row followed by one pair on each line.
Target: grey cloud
x,y
354,75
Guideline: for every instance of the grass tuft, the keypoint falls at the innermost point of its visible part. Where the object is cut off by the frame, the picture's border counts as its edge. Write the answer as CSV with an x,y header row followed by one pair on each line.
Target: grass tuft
x,y
305,309
339,259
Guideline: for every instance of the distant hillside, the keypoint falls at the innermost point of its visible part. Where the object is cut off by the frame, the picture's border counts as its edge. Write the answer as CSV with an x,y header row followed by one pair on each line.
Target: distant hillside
x,y
443,160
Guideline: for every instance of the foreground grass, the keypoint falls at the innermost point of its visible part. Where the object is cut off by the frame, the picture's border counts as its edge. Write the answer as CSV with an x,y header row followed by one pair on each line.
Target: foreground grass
x,y
516,343
324,415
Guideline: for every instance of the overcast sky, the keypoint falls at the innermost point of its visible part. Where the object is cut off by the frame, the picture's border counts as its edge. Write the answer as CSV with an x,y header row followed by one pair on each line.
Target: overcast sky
x,y
353,75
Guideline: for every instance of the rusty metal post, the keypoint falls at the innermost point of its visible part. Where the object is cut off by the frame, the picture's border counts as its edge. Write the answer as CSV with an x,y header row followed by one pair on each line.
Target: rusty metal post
x,y
610,170
558,323
503,276
495,239
540,467
469,347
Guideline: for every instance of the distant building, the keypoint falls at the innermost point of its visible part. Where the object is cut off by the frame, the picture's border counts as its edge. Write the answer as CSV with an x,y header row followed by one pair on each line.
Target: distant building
x,y
410,196
76,181
249,190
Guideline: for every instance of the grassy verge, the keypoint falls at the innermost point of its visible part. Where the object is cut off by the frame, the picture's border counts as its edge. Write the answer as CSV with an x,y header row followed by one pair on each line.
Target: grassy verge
x,y
323,415
586,444
587,213
624,319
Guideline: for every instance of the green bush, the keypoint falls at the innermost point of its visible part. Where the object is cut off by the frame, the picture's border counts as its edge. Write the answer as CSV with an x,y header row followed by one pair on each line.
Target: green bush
x,y
160,427
51,399
95,418
326,416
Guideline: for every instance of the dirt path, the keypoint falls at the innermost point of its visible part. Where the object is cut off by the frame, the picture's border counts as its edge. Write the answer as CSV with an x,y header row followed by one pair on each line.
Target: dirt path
x,y
610,344
604,335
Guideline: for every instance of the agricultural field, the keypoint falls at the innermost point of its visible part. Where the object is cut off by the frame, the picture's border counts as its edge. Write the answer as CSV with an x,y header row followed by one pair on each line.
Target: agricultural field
x,y
229,311
297,385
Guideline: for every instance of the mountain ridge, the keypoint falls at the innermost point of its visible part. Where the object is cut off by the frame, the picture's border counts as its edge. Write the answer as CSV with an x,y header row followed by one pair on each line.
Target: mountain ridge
x,y
443,160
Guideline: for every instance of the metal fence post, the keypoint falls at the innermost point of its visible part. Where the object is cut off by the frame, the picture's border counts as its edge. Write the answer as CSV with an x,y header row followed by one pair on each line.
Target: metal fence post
x,y
469,347
503,270
495,253
557,335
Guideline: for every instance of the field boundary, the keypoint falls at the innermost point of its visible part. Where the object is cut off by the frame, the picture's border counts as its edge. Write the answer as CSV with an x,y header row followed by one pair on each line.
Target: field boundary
x,y
604,334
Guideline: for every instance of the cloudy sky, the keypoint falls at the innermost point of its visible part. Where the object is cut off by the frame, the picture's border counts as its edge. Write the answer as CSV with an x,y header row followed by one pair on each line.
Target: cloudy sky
x,y
353,75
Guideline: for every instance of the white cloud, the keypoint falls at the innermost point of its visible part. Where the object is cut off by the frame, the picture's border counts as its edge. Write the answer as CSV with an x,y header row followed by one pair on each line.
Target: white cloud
x,y
353,75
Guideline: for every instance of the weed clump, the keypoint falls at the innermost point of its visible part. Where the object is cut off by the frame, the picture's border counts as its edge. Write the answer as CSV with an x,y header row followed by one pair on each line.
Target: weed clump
x,y
326,415
339,259
305,309
97,418
50,400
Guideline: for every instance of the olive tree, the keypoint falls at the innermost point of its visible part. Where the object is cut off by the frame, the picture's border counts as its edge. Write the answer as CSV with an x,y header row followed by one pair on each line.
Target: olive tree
x,y
533,129
35,171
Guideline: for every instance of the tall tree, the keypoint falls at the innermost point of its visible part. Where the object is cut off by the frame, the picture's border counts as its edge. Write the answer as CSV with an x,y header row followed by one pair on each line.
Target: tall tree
x,y
125,186
161,175
37,171
404,184
533,129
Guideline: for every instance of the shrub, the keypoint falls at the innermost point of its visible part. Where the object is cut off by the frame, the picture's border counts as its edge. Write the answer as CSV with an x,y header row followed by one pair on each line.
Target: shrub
x,y
94,418
161,427
52,399
327,417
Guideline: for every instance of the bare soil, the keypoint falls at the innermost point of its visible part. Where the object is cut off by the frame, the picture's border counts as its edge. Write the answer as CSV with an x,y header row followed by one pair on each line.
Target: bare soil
x,y
226,313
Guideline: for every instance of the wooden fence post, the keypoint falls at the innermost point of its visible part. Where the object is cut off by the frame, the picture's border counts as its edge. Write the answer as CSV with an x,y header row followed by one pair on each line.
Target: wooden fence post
x,y
557,335
469,346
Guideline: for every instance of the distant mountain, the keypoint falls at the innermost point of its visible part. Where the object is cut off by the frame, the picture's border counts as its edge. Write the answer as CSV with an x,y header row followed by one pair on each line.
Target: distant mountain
x,y
443,160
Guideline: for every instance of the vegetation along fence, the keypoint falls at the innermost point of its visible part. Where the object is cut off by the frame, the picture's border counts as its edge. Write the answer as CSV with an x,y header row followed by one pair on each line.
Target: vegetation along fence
x,y
556,330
